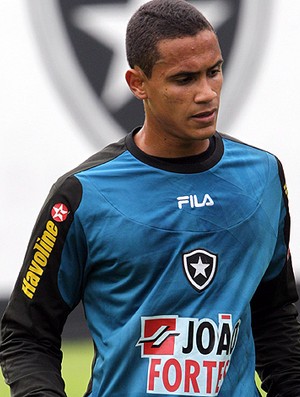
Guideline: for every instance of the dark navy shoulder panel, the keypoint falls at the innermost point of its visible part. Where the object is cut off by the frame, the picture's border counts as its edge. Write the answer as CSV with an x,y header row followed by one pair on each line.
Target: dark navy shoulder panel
x,y
105,155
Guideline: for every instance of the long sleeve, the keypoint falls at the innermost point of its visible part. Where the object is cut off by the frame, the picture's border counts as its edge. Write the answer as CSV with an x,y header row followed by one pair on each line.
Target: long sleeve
x,y
275,325
277,335
33,321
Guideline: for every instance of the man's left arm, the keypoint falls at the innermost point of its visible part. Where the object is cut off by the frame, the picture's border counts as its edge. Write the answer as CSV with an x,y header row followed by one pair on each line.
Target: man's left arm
x,y
276,332
275,325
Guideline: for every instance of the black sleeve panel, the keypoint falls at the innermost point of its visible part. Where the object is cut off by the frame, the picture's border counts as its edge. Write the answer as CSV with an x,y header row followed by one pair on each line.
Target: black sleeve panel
x,y
32,324
276,334
276,329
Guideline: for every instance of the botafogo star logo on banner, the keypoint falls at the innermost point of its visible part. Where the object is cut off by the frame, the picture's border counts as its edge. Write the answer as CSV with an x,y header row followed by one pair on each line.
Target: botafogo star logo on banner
x,y
104,23
83,44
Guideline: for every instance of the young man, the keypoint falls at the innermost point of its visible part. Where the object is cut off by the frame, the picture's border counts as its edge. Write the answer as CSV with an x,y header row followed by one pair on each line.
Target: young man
x,y
175,239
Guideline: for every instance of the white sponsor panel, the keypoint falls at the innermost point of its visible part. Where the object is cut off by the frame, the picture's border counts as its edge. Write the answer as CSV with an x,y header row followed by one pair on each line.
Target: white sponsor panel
x,y
187,356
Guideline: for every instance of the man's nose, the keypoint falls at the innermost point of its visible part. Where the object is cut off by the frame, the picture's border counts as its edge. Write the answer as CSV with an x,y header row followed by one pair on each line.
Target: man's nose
x,y
205,91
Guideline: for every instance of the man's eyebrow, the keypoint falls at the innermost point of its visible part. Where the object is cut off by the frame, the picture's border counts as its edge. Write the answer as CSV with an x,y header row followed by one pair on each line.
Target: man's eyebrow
x,y
219,63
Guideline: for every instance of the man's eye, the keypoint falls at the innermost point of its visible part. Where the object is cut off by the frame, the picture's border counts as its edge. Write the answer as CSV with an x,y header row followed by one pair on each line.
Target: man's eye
x,y
184,80
214,72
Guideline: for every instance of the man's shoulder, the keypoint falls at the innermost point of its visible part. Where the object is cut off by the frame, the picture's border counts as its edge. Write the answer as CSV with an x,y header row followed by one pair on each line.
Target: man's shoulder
x,y
247,147
105,155
247,155
236,141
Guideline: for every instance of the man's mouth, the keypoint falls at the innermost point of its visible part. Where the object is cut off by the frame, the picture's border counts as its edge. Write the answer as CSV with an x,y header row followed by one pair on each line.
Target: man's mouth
x,y
205,117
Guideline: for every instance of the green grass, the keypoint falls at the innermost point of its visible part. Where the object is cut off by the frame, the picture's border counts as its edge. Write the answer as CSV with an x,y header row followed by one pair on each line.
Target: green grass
x,y
76,369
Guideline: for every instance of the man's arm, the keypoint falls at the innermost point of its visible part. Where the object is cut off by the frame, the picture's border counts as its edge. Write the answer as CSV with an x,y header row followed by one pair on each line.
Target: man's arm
x,y
30,355
277,335
32,324
276,329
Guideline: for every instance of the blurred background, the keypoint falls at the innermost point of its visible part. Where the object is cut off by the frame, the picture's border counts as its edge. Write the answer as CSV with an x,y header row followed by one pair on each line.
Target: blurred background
x,y
63,97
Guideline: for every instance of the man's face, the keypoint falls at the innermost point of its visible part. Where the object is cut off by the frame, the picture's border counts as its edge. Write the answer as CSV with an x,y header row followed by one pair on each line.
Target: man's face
x,y
183,93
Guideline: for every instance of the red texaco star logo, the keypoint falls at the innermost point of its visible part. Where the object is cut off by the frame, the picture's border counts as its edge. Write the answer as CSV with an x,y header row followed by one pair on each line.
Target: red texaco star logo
x,y
59,212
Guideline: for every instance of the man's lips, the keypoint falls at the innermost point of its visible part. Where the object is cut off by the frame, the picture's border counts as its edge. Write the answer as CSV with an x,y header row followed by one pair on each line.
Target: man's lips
x,y
205,117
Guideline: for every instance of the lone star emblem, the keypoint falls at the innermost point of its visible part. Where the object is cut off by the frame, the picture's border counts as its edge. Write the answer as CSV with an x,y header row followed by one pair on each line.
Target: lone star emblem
x,y
200,267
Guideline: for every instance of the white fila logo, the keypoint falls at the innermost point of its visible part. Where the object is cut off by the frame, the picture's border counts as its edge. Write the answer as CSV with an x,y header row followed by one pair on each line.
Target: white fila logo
x,y
193,202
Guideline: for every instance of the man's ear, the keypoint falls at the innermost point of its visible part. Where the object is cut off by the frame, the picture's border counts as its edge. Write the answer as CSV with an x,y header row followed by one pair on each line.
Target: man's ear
x,y
136,81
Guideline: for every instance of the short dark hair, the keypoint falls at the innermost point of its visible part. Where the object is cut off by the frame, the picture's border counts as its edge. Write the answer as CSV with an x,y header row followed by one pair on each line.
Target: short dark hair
x,y
157,20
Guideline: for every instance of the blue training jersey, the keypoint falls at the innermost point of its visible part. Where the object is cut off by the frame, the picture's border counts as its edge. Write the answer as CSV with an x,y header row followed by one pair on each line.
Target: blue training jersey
x,y
167,256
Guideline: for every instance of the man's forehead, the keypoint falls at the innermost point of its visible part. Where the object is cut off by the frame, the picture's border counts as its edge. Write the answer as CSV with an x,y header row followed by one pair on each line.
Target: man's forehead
x,y
205,44
201,39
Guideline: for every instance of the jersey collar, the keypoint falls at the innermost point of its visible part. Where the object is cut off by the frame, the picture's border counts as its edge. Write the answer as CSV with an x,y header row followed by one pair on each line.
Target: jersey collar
x,y
184,165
